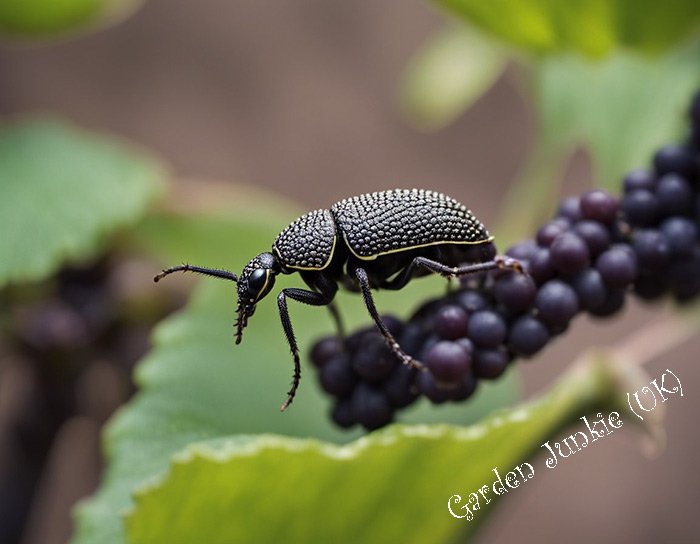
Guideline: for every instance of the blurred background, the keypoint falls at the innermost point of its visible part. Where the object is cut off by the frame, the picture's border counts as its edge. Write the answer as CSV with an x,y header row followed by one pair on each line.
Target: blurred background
x,y
309,100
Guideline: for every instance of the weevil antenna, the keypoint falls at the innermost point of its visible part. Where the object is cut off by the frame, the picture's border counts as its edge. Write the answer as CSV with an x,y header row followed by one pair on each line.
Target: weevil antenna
x,y
214,272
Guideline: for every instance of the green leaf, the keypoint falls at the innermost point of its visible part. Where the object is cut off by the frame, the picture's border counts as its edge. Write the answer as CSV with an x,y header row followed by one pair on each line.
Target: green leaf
x,y
49,18
197,385
392,486
451,72
622,109
63,191
591,27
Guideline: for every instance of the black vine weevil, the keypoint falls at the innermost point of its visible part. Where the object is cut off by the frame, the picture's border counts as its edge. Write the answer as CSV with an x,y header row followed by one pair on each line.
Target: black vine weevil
x,y
379,240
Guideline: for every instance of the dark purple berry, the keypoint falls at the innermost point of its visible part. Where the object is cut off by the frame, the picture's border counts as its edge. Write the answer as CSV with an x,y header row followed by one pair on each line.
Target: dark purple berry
x,y
450,322
324,350
355,340
650,286
374,361
639,179
487,329
641,207
527,335
428,386
489,364
556,302
465,389
51,326
681,234
617,267
515,291
467,345
428,344
694,137
599,206
674,194
684,275
652,248
472,301
570,208
413,336
337,376
596,236
370,407
675,159
342,414
540,266
448,362
393,323
523,250
568,253
613,303
550,231
590,288
426,309
400,387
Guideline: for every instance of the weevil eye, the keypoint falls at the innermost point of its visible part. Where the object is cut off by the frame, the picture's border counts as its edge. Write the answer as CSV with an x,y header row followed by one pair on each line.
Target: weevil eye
x,y
256,281
259,283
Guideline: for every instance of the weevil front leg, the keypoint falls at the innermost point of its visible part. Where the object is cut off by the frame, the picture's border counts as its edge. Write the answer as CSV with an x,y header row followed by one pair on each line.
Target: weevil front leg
x,y
306,297
363,280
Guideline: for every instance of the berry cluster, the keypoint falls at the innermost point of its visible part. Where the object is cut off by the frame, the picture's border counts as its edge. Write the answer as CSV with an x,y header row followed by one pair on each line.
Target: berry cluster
x,y
585,259
68,345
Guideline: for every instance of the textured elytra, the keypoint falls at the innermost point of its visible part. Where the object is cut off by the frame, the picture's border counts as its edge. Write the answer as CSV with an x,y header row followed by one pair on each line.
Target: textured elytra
x,y
388,221
307,243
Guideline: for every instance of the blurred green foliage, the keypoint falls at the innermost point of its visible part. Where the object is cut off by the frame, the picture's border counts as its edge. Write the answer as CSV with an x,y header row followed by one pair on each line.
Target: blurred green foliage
x,y
32,19
612,77
392,486
63,191
592,27
621,109
447,75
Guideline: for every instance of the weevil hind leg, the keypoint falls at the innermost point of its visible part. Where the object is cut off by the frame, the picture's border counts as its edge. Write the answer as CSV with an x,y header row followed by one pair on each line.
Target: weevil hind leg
x,y
499,262
363,280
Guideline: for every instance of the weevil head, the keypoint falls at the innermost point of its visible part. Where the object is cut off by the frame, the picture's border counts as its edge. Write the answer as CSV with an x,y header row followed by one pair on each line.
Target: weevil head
x,y
256,281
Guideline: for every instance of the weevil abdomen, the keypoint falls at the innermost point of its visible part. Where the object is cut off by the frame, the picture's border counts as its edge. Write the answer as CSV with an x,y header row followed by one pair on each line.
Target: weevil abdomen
x,y
399,220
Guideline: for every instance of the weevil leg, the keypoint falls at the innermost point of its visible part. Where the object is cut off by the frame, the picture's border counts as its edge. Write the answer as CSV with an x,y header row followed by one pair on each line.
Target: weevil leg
x,y
329,287
338,320
363,279
499,262
306,297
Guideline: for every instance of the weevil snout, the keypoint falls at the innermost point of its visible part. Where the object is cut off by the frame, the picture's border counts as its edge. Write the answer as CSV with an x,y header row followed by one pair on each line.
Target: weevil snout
x,y
254,283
